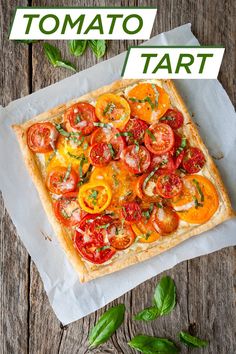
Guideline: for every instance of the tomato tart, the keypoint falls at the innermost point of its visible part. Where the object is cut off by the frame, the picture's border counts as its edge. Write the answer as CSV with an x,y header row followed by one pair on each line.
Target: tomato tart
x,y
123,175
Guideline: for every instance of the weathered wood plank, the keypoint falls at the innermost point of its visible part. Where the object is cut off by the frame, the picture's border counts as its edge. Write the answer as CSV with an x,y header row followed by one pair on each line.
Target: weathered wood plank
x,y
14,260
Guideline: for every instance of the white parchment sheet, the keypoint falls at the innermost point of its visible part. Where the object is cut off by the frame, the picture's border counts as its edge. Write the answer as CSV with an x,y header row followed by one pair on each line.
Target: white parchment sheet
x,y
70,300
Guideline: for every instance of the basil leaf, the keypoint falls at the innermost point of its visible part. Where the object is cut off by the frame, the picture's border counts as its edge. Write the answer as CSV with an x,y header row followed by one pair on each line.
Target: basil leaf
x,y
107,325
65,64
148,314
77,47
52,53
191,341
98,47
150,345
165,295
54,56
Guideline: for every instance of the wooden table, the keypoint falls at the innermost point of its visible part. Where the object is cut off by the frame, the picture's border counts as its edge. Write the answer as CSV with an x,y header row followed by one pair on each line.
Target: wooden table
x,y
205,285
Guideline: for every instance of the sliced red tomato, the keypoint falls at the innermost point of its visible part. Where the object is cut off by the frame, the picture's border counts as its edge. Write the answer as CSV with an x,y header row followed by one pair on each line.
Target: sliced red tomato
x,y
89,239
159,138
61,180
41,137
169,186
164,163
110,136
146,188
120,235
67,209
136,158
173,118
80,117
131,212
136,129
100,154
165,220
193,160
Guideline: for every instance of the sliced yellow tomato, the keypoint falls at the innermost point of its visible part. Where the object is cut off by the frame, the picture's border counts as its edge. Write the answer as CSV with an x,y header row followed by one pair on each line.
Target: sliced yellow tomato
x,y
198,200
69,152
113,109
148,102
145,232
94,197
120,180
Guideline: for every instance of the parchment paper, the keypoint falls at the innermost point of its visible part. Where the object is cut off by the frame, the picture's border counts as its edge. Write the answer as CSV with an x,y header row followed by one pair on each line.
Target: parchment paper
x,y
70,300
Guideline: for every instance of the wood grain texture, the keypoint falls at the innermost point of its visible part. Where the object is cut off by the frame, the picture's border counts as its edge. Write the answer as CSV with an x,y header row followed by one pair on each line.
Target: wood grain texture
x,y
205,285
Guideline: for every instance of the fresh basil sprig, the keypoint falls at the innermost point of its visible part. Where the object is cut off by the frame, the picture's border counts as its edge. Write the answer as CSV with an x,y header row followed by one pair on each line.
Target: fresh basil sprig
x,y
164,301
107,325
191,341
54,56
77,47
98,47
148,345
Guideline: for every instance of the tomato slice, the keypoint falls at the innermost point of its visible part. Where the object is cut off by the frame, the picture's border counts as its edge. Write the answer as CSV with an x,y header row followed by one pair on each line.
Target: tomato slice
x,y
136,158
80,117
94,197
100,154
136,130
110,136
146,188
131,212
113,109
41,137
60,180
165,220
198,201
159,138
169,186
164,163
120,235
148,102
173,118
67,209
193,160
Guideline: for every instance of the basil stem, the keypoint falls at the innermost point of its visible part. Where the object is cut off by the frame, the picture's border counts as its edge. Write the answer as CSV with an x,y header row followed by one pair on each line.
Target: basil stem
x,y
191,341
107,325
148,344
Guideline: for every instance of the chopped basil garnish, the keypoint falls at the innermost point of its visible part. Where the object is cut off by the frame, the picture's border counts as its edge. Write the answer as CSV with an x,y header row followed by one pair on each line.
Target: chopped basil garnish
x,y
137,146
150,176
169,118
156,94
93,195
111,150
199,189
85,146
52,155
99,249
68,171
124,134
196,202
78,118
102,125
109,108
61,130
64,214
152,136
181,147
147,213
146,99
114,176
104,226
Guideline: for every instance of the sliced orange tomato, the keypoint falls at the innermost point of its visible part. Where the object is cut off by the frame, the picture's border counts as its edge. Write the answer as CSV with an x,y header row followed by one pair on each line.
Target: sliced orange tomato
x,y
148,102
94,197
145,232
113,109
198,200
